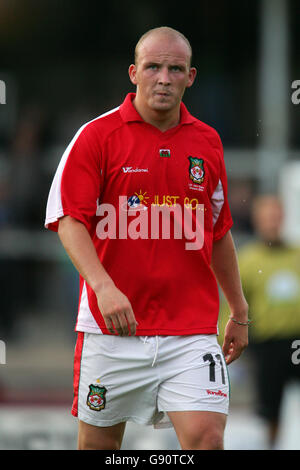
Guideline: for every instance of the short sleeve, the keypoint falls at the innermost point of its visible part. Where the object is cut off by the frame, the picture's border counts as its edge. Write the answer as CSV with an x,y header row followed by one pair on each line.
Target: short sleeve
x,y
222,219
76,185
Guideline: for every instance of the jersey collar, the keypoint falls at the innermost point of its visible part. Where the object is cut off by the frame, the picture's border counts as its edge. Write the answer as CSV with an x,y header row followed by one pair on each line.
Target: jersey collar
x,y
130,114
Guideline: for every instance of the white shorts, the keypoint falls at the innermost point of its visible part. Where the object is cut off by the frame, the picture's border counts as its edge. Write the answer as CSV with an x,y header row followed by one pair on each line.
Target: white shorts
x,y
140,378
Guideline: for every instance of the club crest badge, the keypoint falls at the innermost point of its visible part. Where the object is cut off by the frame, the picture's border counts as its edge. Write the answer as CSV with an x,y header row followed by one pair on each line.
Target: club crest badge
x,y
196,169
96,397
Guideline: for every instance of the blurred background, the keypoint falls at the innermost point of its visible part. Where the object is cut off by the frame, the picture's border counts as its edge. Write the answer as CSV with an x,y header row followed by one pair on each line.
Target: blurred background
x,y
65,62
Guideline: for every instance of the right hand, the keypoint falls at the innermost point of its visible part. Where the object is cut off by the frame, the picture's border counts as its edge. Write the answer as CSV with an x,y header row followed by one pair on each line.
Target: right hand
x,y
116,310
235,340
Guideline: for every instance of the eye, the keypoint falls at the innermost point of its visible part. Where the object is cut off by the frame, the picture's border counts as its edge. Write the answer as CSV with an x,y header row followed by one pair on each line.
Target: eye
x,y
152,66
176,68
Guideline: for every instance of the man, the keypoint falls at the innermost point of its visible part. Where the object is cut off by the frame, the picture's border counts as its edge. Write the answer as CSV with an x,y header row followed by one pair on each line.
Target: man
x,y
270,272
148,309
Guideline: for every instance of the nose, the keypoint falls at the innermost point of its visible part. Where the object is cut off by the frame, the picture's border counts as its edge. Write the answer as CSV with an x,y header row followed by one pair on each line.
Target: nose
x,y
164,78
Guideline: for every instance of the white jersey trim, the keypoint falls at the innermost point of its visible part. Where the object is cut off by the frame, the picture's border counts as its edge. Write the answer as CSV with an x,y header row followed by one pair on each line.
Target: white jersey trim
x,y
217,201
54,210
85,319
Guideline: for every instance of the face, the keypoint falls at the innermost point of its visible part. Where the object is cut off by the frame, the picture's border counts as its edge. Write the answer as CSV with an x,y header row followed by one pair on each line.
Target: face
x,y
162,73
268,219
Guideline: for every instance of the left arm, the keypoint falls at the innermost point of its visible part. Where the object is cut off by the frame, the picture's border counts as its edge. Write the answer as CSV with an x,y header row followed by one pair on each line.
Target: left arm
x,y
225,266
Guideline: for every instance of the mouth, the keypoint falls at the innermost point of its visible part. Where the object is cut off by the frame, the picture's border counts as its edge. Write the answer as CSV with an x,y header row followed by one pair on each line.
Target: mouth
x,y
163,94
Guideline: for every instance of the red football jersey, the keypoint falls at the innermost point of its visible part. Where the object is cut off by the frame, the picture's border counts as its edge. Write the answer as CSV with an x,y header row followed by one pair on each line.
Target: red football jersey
x,y
153,202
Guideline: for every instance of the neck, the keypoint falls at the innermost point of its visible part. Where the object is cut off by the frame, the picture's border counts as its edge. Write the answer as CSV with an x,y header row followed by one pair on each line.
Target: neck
x,y
162,120
276,243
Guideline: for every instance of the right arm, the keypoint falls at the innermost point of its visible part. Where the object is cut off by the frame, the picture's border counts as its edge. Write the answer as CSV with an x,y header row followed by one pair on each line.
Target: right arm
x,y
113,304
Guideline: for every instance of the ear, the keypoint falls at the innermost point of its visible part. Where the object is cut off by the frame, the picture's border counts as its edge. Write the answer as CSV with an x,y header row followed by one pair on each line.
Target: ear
x,y
132,74
192,76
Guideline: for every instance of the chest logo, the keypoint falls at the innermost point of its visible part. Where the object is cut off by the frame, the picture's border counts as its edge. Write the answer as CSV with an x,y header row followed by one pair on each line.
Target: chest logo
x,y
164,152
196,170
138,200
130,169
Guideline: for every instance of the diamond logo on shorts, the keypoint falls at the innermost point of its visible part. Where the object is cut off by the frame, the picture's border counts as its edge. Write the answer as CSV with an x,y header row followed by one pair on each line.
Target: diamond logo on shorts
x,y
96,398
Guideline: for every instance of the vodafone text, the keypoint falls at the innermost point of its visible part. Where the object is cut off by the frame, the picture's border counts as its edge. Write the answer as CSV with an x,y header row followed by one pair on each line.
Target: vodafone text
x,y
218,393
134,221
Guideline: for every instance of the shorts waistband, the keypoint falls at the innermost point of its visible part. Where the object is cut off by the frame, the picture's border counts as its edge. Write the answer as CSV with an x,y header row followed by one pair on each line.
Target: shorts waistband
x,y
145,339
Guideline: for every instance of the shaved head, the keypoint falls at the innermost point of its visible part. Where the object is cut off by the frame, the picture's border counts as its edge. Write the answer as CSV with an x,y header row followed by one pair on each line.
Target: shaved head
x,y
165,31
161,73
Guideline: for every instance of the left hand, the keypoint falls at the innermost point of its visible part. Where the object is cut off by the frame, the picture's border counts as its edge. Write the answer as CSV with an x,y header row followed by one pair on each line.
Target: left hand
x,y
235,341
